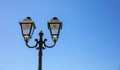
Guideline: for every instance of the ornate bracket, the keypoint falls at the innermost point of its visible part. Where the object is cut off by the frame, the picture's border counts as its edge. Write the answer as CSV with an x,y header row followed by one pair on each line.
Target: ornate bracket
x,y
38,42
31,46
47,45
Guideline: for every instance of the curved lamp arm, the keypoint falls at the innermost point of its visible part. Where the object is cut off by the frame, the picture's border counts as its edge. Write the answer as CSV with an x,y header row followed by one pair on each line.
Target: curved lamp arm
x,y
47,45
31,46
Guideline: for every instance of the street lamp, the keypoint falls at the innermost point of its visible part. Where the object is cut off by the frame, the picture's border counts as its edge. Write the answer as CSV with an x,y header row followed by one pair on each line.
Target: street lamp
x,y
27,29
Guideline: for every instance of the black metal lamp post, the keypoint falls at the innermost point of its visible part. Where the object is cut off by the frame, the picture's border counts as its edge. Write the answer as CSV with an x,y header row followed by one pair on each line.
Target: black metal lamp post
x,y
27,29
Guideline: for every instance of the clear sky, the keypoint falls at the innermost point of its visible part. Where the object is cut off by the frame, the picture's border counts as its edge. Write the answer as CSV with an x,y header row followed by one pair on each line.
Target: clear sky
x,y
89,40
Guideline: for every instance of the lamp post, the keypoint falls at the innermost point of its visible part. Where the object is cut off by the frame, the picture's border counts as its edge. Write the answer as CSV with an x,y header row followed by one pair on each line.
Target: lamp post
x,y
27,29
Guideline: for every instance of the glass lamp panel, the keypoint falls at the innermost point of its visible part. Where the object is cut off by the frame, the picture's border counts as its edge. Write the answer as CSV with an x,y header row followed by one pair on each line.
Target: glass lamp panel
x,y
26,29
54,31
54,26
32,30
26,25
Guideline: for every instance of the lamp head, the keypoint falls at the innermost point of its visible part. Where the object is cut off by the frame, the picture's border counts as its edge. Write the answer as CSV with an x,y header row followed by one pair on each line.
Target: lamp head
x,y
27,28
54,25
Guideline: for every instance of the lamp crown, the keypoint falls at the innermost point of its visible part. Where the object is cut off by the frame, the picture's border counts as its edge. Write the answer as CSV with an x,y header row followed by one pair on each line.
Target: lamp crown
x,y
55,18
27,20
28,17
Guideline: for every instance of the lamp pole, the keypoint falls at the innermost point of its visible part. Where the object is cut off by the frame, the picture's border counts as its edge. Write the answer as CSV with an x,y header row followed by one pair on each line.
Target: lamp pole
x,y
40,50
27,29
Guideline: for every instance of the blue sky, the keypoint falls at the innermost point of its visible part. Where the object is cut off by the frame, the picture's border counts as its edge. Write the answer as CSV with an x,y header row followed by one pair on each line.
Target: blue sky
x,y
89,40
